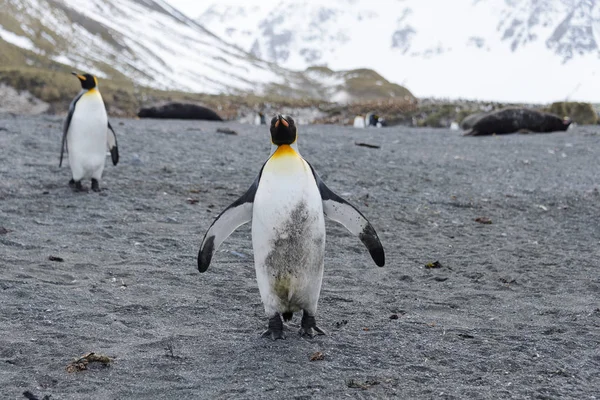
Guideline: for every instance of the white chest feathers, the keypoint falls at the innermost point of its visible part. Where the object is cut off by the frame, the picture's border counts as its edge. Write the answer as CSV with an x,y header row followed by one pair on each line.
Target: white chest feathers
x,y
287,198
89,120
288,227
87,137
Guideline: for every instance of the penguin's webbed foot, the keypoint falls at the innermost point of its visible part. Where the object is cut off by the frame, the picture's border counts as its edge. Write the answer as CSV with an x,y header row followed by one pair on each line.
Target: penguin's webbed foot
x,y
95,185
309,326
275,330
77,186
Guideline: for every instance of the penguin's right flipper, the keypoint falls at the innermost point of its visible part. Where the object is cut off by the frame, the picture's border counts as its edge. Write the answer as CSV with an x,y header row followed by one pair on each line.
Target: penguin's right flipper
x,y
339,210
67,124
234,216
112,145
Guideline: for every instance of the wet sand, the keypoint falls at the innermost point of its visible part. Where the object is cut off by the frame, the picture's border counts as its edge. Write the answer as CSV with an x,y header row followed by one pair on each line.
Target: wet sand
x,y
513,311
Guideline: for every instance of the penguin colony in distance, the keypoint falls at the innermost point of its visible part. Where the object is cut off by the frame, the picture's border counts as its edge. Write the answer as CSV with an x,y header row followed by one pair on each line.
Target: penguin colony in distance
x,y
87,134
287,204
369,120
259,119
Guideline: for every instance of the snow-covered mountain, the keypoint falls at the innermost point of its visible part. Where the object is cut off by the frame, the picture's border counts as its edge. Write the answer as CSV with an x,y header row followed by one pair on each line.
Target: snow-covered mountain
x,y
146,40
152,44
507,50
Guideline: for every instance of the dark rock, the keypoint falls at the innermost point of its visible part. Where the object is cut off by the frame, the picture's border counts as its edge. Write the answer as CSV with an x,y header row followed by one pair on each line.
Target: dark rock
x,y
227,131
371,146
179,111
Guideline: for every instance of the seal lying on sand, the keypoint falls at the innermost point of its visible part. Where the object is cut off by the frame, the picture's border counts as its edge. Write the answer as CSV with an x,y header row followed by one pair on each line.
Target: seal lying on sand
x,y
179,111
510,120
468,122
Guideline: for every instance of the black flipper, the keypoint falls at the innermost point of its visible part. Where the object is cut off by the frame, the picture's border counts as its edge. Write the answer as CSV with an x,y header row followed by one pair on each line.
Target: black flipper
x,y
234,216
67,124
339,210
112,145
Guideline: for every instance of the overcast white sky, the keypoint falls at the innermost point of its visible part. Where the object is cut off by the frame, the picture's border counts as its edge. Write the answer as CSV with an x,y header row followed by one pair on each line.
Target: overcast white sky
x,y
193,8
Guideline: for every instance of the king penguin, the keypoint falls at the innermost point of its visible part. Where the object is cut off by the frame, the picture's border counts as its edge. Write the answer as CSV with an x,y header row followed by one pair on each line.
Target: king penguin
x,y
287,204
87,134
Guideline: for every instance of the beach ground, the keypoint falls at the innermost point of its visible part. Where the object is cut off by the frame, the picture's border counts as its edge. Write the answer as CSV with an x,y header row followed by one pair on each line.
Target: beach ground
x,y
511,309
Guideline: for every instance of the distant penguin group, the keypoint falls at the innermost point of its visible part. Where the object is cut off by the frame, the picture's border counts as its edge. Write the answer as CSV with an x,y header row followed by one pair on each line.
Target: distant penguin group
x,y
370,119
87,135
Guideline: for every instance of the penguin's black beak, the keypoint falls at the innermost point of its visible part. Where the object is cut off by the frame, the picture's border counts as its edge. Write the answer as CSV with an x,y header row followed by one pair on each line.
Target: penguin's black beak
x,y
283,130
79,76
281,120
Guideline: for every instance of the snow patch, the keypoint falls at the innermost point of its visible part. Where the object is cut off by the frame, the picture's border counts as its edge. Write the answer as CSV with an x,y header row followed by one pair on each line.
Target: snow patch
x,y
341,97
18,40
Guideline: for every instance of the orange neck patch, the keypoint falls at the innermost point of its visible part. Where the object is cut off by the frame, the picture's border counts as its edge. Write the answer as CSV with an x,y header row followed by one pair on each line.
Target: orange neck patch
x,y
285,150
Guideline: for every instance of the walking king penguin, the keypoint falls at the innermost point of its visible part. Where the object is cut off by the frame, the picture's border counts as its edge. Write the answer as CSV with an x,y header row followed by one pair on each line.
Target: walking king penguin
x,y
87,134
287,203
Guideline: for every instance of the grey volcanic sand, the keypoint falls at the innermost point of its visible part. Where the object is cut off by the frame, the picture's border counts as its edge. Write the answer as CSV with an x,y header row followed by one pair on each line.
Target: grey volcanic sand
x,y
512,313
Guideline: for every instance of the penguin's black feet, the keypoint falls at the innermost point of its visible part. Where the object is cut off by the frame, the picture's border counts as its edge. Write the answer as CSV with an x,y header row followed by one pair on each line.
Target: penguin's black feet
x,y
275,330
95,185
309,326
76,186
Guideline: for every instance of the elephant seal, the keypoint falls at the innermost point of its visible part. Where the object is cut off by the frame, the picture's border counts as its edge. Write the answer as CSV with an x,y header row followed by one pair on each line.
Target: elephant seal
x,y
512,119
179,111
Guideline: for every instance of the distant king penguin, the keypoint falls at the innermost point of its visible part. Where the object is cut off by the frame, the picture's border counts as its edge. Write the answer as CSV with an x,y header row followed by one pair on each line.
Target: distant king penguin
x,y
287,204
87,134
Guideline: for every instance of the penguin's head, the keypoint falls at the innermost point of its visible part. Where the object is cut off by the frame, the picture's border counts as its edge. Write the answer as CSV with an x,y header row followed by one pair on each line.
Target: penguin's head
x,y
87,81
283,130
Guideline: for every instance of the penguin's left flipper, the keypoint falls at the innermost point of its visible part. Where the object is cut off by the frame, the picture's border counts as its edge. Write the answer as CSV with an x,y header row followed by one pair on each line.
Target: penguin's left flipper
x,y
234,216
112,145
67,124
339,210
